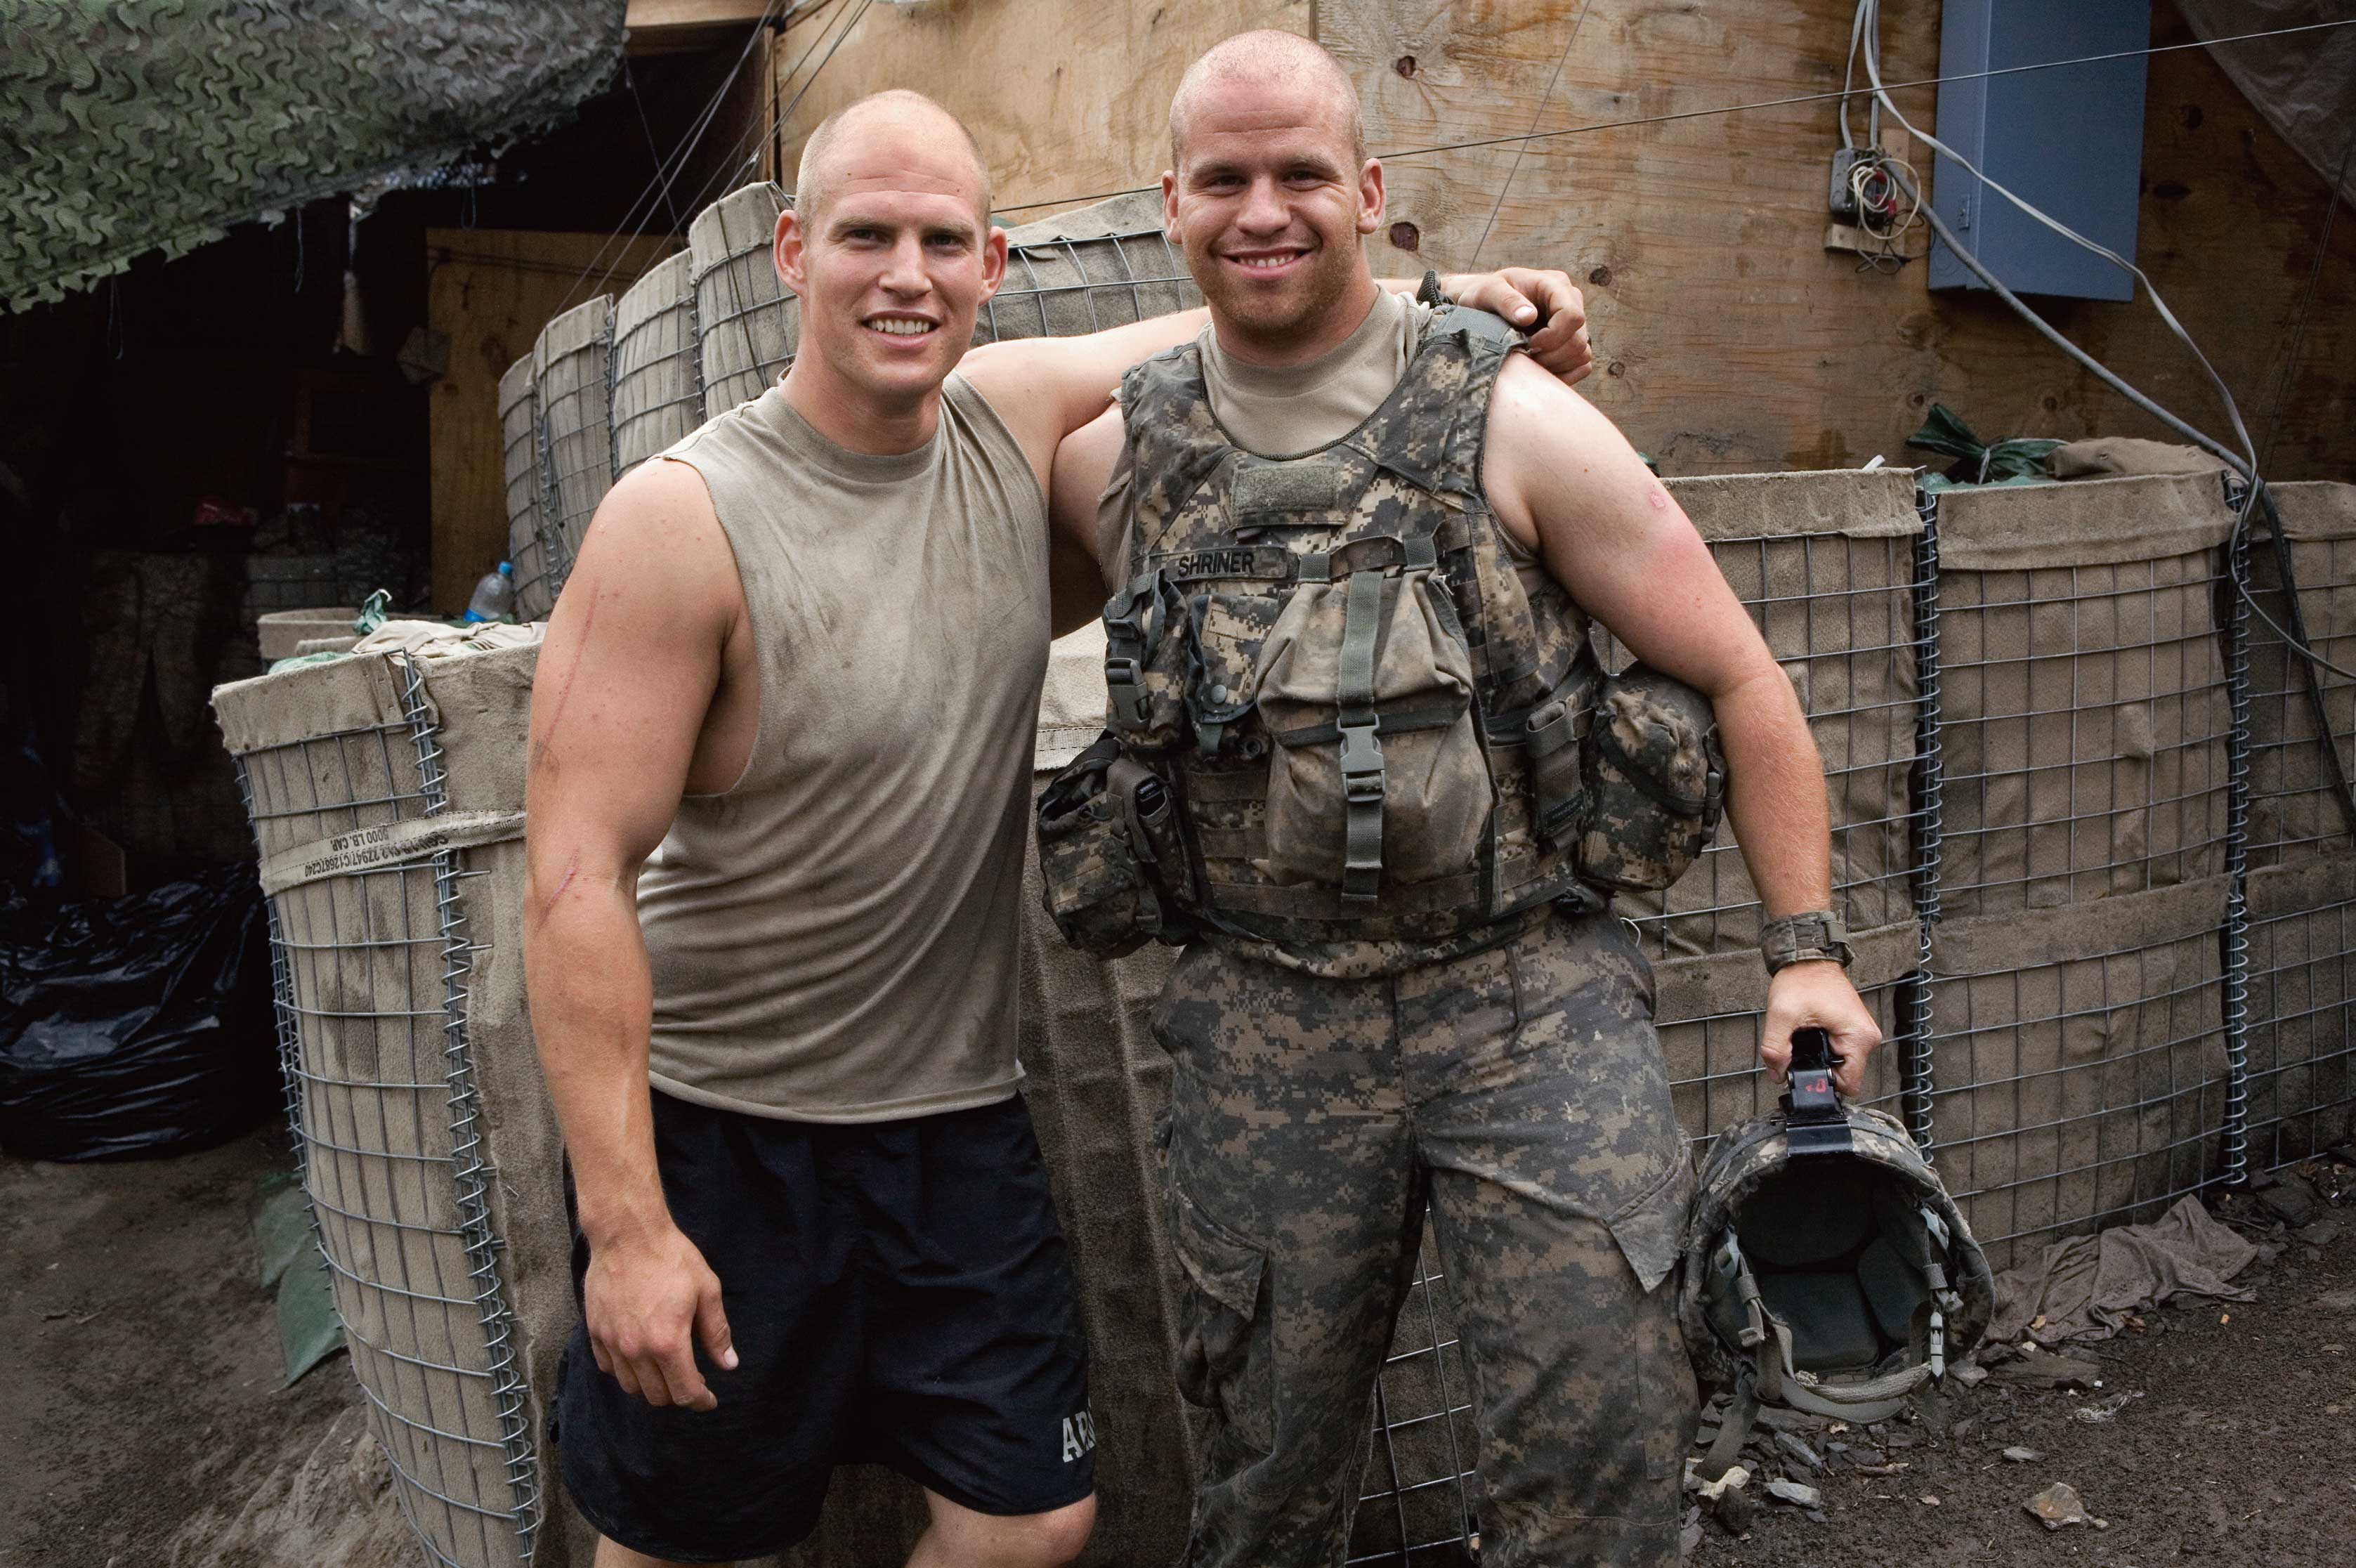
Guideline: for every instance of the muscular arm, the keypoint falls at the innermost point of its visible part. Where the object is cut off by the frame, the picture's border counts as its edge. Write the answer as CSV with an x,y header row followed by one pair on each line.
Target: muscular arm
x,y
1567,483
631,661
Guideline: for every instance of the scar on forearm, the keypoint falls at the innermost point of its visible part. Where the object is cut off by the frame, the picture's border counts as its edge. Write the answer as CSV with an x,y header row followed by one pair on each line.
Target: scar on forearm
x,y
572,867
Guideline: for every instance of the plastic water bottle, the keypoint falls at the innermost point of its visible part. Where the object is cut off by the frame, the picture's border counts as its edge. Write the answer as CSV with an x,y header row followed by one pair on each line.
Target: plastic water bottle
x,y
494,596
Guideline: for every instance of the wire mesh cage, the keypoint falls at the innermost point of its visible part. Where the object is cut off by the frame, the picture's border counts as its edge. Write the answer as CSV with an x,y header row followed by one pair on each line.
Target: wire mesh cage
x,y
519,439
2080,1071
2083,977
658,363
746,324
2302,1043
2085,705
1825,565
2302,898
1418,1500
573,367
375,951
1084,271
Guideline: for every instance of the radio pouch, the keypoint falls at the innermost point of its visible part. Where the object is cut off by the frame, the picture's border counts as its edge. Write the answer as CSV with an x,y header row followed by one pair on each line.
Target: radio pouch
x,y
1104,821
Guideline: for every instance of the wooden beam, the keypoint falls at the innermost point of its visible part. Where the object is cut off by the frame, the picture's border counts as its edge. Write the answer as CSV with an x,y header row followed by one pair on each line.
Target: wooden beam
x,y
655,16
661,27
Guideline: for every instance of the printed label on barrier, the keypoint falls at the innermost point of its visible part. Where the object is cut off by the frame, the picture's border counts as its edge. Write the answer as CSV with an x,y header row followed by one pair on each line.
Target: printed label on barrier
x,y
387,845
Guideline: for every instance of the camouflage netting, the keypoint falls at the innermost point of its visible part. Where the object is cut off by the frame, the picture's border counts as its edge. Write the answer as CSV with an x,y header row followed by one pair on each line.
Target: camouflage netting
x,y
117,129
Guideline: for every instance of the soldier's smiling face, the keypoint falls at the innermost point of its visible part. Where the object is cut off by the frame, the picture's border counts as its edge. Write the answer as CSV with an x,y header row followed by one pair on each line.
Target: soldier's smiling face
x,y
1268,199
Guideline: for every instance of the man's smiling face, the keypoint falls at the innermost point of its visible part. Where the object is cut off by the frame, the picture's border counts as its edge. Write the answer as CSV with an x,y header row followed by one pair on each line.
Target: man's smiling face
x,y
895,260
1268,201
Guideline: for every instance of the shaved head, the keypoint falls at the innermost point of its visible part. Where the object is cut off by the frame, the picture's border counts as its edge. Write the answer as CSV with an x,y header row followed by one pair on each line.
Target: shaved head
x,y
895,107
1281,62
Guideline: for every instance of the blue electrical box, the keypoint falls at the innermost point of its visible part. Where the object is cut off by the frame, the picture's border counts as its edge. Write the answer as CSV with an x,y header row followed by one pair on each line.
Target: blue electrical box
x,y
2069,139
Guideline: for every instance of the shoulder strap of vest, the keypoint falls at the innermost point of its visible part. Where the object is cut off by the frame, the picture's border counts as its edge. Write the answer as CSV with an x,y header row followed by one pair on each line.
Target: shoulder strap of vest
x,y
1431,430
1173,442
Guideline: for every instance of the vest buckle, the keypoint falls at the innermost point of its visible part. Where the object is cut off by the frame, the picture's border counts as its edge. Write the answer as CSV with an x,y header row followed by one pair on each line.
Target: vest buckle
x,y
1362,762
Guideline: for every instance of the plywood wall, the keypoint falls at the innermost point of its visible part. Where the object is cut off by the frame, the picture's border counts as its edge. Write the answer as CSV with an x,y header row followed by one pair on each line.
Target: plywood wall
x,y
491,291
1067,97
1731,340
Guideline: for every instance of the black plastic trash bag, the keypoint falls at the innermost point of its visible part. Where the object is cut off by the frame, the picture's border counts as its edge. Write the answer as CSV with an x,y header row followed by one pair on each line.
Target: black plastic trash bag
x,y
136,1028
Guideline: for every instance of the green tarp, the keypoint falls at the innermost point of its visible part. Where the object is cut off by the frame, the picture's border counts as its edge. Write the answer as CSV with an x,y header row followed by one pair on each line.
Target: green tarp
x,y
135,126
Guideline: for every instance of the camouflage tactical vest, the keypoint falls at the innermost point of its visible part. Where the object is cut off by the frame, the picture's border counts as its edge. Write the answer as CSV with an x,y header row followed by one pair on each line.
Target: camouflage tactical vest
x,y
1367,729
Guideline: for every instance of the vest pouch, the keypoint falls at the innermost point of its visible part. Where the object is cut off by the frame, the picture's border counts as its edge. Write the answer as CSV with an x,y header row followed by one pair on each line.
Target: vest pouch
x,y
1377,776
1655,781
1554,738
1147,662
1229,632
1097,886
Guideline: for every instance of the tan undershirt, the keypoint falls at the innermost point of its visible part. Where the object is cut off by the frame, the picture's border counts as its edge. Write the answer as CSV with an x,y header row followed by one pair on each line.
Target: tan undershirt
x,y
833,938
1287,411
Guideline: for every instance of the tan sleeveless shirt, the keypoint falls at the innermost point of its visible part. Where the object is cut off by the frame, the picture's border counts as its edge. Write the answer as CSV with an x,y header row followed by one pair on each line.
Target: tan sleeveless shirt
x,y
833,938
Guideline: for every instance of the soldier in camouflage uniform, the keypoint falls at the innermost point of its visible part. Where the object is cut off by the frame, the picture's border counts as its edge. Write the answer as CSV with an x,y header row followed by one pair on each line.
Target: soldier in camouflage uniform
x,y
1364,763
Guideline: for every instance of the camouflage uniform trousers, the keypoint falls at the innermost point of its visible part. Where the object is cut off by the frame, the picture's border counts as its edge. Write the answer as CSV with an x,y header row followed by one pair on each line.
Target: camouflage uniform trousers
x,y
1520,1090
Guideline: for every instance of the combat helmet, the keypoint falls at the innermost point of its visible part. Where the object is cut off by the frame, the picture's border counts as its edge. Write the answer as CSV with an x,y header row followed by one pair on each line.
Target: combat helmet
x,y
1825,1268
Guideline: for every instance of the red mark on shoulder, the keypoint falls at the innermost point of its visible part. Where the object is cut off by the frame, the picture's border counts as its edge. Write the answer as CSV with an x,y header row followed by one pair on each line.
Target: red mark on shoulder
x,y
1656,497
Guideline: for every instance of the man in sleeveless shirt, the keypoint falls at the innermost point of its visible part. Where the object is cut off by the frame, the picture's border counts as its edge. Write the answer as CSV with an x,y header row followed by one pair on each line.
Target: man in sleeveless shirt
x,y
1338,1071
780,762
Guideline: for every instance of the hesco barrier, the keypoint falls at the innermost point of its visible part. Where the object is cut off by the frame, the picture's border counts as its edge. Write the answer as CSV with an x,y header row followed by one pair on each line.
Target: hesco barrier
x,y
520,438
2099,859
387,799
745,322
658,363
573,368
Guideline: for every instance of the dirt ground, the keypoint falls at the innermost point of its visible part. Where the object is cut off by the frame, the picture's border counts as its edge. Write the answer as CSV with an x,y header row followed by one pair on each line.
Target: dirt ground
x,y
143,1424
2231,1447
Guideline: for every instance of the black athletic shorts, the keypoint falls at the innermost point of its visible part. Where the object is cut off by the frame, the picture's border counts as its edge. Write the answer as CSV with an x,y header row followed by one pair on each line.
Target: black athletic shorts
x,y
898,1293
